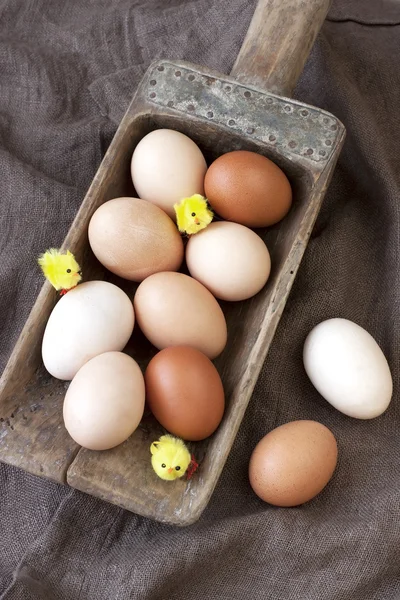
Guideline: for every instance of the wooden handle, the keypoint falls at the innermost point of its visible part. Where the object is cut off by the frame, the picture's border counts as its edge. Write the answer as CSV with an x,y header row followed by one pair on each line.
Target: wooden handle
x,y
278,42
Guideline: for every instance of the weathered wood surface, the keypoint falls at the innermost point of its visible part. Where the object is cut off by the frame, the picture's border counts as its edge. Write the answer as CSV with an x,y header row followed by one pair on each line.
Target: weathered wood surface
x,y
278,42
220,115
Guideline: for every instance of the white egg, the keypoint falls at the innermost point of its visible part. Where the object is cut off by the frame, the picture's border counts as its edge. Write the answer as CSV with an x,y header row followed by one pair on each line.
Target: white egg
x,y
230,260
348,368
93,318
166,167
105,401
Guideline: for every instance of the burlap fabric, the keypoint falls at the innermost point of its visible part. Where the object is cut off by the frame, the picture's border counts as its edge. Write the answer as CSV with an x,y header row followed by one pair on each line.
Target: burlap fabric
x,y
67,72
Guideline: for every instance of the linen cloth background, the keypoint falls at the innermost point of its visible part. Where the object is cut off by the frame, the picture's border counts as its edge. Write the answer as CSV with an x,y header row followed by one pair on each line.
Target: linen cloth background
x,y
68,70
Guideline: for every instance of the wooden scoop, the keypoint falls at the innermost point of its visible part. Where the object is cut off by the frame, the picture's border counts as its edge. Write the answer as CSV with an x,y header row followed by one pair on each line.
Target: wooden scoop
x,y
220,113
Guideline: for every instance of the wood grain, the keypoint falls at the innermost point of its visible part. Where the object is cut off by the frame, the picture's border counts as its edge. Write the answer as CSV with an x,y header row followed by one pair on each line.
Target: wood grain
x,y
278,42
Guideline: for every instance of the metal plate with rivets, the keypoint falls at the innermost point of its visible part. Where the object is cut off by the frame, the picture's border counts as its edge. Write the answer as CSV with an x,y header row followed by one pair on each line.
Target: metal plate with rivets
x,y
293,128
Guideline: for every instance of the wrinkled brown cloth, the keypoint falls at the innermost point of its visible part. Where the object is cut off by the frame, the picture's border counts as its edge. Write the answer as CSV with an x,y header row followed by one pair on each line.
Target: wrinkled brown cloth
x,y
67,72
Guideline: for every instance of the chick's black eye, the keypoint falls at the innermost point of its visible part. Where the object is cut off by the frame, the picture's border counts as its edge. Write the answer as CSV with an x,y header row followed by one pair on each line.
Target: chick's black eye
x,y
163,465
177,468
193,214
68,270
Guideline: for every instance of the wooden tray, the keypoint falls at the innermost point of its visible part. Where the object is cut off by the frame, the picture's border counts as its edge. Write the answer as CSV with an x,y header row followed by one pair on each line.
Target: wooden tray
x,y
219,114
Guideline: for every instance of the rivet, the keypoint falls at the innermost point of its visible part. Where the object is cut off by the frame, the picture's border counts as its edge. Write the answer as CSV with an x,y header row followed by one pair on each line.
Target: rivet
x,y
250,130
178,73
228,88
231,122
190,107
309,151
333,127
210,114
269,101
292,144
191,77
328,142
304,113
247,95
272,138
170,104
160,68
153,82
152,95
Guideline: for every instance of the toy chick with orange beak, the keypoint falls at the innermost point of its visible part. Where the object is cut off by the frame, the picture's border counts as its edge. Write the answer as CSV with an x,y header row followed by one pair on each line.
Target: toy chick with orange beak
x,y
60,269
193,214
171,458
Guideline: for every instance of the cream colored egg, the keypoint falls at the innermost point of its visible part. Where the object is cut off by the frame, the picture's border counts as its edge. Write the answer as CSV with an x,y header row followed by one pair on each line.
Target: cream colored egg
x,y
105,401
229,259
166,167
173,309
93,318
134,238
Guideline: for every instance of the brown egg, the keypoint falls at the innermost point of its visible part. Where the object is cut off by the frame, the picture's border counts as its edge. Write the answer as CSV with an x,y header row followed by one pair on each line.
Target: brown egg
x,y
133,238
248,188
293,463
184,392
173,309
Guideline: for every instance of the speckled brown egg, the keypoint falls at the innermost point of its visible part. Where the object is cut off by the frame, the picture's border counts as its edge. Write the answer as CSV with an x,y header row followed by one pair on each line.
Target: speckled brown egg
x,y
184,392
293,463
248,188
134,238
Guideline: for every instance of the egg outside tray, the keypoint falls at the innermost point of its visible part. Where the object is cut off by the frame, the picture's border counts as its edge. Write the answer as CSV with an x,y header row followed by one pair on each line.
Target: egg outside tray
x,y
32,434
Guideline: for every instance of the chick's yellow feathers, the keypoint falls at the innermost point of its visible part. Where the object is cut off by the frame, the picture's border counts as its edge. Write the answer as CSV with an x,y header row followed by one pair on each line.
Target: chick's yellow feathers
x,y
170,457
193,214
61,270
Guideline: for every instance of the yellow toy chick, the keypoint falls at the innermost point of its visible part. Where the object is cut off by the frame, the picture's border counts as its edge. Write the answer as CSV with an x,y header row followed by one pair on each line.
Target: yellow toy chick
x,y
171,459
193,214
61,270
